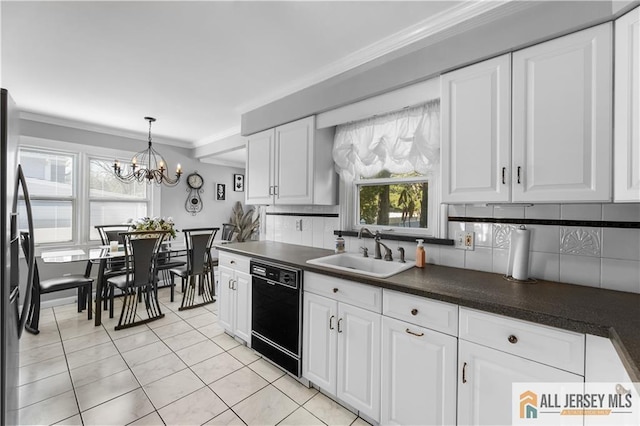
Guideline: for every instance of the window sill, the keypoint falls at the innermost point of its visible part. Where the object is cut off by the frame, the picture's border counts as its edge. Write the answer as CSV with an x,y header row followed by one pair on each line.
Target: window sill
x,y
400,237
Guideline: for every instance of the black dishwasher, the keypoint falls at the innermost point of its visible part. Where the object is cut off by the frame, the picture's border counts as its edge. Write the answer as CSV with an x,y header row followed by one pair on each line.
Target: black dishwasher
x,y
276,314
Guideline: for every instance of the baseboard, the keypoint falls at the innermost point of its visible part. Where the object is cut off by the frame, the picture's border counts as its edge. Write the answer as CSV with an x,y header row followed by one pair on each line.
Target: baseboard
x,y
58,302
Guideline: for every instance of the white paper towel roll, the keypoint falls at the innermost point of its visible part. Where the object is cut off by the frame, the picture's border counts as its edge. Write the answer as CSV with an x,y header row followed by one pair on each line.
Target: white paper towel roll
x,y
518,267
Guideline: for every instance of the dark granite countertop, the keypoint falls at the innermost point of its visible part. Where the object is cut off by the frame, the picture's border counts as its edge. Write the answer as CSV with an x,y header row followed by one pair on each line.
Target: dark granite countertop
x,y
607,313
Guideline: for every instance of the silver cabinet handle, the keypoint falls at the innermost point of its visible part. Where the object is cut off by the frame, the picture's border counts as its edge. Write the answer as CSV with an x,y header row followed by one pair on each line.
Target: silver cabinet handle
x,y
229,284
270,190
504,171
414,333
519,168
339,329
464,373
275,190
331,327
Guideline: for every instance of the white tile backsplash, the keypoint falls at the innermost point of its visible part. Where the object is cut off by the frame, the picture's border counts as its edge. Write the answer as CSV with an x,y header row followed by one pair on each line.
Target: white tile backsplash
x,y
581,212
542,211
450,256
621,212
544,238
483,233
583,270
480,259
622,275
620,243
544,266
599,257
581,241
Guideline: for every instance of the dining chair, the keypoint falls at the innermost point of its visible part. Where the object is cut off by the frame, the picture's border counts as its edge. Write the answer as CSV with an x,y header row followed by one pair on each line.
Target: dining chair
x,y
227,231
83,284
139,282
199,268
116,266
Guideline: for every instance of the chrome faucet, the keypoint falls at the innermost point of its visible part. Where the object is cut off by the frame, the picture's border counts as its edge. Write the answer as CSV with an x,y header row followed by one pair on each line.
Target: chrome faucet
x,y
388,254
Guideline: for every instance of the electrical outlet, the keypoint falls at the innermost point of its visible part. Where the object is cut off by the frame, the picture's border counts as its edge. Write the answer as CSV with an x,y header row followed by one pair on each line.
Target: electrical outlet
x,y
465,240
298,224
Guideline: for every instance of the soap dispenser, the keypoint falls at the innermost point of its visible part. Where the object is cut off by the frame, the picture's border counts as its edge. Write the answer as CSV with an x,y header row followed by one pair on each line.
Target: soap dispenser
x,y
420,254
339,243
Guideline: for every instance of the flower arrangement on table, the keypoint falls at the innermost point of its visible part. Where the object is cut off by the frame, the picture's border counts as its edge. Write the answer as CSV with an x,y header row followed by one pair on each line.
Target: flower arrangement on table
x,y
154,224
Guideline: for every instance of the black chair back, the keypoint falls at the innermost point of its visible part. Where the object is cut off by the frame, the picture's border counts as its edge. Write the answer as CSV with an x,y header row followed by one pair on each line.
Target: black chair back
x,y
227,231
141,254
24,240
110,233
199,242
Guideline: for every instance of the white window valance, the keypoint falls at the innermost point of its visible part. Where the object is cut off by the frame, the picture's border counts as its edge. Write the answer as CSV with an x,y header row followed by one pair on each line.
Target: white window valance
x,y
399,142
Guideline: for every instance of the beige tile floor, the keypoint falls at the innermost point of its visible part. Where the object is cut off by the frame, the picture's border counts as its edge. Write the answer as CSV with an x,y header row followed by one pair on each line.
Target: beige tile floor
x,y
180,370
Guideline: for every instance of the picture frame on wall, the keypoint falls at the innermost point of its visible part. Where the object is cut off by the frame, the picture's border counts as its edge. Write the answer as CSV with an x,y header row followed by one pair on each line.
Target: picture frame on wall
x,y
238,183
221,191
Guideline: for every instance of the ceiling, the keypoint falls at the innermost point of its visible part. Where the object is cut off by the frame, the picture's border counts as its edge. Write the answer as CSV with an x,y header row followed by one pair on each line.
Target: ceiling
x,y
195,66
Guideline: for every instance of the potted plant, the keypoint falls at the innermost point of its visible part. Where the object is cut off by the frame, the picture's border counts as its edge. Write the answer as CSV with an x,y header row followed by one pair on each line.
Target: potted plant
x,y
246,223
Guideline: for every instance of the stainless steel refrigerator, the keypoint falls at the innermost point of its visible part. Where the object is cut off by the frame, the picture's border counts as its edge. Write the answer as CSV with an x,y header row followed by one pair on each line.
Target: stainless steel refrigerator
x,y
13,304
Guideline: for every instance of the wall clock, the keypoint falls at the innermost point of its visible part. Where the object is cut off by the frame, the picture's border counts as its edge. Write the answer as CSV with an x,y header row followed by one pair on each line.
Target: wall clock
x,y
194,203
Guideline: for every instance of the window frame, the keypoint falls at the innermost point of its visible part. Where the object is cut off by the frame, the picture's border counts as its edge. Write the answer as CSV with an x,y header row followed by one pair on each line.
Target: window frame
x,y
350,206
90,199
81,216
73,198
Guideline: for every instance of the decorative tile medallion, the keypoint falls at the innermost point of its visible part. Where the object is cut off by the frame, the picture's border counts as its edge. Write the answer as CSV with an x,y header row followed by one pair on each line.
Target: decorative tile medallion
x,y
502,235
581,241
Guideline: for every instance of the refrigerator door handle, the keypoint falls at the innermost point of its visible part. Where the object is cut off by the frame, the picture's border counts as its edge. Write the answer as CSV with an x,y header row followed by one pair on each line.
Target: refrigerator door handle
x,y
21,182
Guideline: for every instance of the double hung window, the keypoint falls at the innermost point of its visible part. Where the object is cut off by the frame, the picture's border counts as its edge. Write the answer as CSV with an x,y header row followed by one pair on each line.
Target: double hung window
x,y
72,189
52,189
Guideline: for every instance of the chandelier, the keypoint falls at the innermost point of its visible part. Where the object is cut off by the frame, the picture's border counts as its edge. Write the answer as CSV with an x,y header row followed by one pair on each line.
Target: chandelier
x,y
148,165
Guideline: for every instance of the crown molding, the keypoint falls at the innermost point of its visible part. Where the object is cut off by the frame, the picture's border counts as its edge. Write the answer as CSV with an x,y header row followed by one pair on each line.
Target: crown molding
x,y
98,128
446,20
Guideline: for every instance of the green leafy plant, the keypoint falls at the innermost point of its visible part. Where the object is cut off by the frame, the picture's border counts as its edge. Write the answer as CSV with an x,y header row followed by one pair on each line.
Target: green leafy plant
x,y
246,223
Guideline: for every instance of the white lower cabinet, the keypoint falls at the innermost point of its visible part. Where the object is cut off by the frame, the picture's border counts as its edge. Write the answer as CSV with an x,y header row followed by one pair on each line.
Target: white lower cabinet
x,y
418,375
234,298
485,378
341,352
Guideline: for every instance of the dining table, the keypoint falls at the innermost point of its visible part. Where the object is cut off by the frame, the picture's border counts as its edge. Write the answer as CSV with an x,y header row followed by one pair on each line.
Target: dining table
x,y
101,255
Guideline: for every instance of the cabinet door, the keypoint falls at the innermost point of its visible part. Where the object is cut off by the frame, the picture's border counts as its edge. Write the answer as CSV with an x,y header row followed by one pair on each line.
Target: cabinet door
x,y
485,379
418,375
359,359
627,108
226,299
562,93
294,162
319,341
259,170
476,132
243,306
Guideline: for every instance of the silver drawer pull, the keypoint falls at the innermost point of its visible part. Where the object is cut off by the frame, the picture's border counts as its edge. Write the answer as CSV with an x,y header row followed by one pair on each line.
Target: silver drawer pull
x,y
415,334
513,339
414,311
335,290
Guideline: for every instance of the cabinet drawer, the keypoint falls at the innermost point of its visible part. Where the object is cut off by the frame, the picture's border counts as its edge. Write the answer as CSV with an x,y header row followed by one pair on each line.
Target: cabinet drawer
x,y
439,316
558,348
234,261
362,295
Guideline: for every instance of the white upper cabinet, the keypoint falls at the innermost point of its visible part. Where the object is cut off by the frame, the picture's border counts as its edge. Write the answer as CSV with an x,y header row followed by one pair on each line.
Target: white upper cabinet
x,y
291,164
562,92
260,165
533,126
476,132
627,108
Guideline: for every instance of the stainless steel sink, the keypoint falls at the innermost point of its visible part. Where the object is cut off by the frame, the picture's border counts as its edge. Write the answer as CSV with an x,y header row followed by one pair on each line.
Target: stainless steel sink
x,y
358,264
